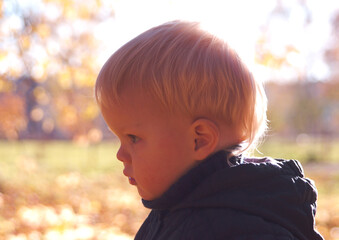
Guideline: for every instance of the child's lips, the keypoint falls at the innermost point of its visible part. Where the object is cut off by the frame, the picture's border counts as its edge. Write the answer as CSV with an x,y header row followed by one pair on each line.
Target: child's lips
x,y
132,181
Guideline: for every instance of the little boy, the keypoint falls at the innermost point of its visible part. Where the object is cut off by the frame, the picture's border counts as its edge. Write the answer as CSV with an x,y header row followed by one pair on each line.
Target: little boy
x,y
186,109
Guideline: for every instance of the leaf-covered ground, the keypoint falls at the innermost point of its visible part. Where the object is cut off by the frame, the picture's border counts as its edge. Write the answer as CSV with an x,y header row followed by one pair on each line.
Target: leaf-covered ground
x,y
65,191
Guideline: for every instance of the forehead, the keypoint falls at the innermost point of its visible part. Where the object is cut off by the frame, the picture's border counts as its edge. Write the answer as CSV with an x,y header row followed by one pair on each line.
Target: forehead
x,y
136,111
137,101
133,109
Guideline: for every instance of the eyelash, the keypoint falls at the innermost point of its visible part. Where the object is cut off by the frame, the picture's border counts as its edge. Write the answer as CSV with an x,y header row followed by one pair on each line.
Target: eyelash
x,y
133,138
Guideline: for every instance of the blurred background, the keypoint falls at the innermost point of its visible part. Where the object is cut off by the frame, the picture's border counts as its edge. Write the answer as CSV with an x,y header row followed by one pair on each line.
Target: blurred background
x,y
59,178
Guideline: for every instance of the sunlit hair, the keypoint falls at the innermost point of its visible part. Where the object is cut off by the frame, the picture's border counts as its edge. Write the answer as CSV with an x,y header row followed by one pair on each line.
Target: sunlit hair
x,y
189,70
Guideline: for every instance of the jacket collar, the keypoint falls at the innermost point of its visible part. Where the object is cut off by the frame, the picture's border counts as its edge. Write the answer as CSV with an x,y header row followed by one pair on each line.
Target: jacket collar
x,y
188,182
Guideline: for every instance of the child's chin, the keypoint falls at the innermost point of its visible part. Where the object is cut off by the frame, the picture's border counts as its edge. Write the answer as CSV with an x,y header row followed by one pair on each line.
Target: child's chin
x,y
145,196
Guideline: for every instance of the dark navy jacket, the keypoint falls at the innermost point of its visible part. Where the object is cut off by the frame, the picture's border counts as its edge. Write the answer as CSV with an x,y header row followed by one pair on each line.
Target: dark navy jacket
x,y
255,199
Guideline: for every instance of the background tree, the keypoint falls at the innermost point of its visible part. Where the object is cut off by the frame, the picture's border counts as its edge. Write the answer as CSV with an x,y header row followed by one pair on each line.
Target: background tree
x,y
302,88
48,55
332,51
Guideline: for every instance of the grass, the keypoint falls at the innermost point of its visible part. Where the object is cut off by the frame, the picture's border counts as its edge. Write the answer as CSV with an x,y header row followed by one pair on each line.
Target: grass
x,y
61,157
63,190
306,150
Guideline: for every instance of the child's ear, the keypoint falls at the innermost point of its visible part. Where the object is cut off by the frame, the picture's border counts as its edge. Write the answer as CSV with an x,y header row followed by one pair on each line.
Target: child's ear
x,y
206,138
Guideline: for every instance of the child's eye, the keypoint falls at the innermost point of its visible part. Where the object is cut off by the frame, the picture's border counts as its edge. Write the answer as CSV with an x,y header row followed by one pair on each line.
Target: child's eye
x,y
133,138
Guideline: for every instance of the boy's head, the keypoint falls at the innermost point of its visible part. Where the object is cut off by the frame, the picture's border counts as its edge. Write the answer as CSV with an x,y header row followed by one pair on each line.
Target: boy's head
x,y
181,83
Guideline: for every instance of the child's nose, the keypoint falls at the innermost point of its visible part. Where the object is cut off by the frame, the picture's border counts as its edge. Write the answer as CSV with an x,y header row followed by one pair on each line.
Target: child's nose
x,y
122,155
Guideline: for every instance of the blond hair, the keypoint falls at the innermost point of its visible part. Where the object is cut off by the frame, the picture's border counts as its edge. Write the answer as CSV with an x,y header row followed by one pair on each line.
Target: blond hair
x,y
189,70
